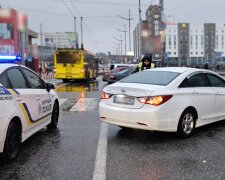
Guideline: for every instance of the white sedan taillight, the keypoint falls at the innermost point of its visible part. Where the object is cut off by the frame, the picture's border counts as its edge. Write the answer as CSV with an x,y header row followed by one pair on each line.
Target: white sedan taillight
x,y
105,95
155,100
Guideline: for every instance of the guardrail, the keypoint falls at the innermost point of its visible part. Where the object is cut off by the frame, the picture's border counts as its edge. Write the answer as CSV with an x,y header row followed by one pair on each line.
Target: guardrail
x,y
47,76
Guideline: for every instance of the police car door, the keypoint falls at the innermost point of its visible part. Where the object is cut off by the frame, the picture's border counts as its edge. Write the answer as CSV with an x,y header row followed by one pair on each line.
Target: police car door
x,y
43,97
25,97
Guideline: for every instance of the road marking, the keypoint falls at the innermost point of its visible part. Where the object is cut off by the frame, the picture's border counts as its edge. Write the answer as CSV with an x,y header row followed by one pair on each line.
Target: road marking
x,y
61,101
82,104
93,105
101,154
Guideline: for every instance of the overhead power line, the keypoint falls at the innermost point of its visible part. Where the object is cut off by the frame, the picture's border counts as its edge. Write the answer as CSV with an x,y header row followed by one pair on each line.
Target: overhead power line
x,y
59,14
67,7
82,21
37,11
102,3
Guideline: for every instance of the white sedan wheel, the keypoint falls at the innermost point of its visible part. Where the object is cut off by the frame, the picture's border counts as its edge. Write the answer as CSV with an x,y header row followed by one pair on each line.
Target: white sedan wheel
x,y
186,124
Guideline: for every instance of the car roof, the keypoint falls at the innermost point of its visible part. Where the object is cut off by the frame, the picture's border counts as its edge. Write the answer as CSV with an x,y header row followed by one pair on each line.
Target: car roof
x,y
177,69
5,66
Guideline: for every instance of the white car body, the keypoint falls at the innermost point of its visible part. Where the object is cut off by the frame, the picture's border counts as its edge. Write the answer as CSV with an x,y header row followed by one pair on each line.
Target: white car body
x,y
206,102
30,107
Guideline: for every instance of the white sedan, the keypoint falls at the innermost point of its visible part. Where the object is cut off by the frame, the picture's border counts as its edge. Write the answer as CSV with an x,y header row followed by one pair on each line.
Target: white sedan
x,y
172,99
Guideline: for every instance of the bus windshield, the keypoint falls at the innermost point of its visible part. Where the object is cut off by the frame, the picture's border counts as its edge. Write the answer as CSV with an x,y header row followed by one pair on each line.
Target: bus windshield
x,y
66,57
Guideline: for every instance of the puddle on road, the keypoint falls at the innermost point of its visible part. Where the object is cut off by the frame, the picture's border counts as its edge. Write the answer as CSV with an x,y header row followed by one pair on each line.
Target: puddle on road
x,y
81,87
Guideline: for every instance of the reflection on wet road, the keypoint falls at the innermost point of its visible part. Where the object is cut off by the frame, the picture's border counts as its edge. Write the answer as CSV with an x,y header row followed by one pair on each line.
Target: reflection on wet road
x,y
79,87
80,91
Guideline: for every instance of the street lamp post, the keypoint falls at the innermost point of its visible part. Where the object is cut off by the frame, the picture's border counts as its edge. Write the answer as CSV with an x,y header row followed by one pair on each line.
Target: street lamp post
x,y
129,19
120,42
125,32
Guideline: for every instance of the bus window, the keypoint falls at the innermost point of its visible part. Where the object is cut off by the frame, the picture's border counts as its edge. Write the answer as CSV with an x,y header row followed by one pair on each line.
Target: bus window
x,y
65,57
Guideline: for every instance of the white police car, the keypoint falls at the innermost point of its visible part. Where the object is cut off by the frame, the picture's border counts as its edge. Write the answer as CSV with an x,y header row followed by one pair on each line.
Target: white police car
x,y
27,104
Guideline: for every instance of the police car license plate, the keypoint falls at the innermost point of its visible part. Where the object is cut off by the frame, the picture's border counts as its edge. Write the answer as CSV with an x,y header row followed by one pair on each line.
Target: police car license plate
x,y
123,100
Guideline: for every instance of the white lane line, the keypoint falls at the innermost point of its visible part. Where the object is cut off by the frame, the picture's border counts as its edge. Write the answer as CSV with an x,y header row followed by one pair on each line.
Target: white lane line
x,y
101,154
81,104
61,101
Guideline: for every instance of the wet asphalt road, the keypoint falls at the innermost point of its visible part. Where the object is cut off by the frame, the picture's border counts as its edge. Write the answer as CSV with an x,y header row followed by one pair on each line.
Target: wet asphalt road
x,y
69,152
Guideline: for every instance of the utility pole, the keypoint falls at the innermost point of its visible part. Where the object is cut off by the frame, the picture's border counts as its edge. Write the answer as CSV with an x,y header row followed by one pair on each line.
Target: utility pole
x,y
75,31
118,48
120,42
41,59
161,3
124,38
81,34
140,27
129,19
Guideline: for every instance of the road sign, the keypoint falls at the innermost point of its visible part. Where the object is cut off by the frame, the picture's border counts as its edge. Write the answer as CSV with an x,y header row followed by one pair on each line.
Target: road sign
x,y
162,26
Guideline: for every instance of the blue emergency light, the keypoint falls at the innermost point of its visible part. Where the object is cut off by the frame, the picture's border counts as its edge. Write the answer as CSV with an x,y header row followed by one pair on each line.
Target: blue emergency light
x,y
10,58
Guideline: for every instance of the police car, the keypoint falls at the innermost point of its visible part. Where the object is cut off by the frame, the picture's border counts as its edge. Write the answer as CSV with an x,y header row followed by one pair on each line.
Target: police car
x,y
27,104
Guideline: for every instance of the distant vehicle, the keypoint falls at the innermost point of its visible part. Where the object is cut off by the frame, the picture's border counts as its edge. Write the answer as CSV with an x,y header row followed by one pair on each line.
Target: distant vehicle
x,y
75,64
173,99
114,77
114,66
116,70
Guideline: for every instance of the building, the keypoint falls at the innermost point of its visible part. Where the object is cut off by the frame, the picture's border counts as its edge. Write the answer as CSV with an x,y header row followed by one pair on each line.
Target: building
x,y
191,46
183,43
150,32
15,37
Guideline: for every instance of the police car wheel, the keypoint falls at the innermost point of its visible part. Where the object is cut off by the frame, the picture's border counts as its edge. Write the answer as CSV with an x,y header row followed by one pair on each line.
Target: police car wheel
x,y
55,116
12,142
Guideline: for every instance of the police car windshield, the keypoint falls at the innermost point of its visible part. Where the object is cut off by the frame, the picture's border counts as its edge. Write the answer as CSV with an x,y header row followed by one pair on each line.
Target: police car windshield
x,y
161,78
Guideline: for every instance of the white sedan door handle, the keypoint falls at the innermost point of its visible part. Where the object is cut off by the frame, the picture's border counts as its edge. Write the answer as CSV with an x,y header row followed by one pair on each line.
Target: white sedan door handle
x,y
195,92
218,94
38,98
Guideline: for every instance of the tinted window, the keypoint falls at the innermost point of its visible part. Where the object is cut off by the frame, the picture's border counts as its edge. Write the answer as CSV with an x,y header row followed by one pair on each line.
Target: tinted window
x,y
123,66
215,81
185,83
4,81
152,77
34,80
16,78
198,80
65,57
125,71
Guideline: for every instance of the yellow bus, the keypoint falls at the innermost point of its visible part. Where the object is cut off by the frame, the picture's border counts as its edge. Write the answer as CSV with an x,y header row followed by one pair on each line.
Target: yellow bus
x,y
75,64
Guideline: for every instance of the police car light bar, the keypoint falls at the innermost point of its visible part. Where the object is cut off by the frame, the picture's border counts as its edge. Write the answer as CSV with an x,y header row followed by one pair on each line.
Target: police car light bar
x,y
10,58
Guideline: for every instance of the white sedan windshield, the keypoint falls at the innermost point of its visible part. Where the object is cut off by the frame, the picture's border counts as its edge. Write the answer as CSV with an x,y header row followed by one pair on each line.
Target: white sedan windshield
x,y
152,77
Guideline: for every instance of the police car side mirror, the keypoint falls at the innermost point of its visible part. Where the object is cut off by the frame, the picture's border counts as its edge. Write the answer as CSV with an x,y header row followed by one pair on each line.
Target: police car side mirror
x,y
50,86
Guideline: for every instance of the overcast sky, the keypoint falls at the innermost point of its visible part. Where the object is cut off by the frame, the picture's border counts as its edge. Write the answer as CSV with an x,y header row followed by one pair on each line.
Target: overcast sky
x,y
101,19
